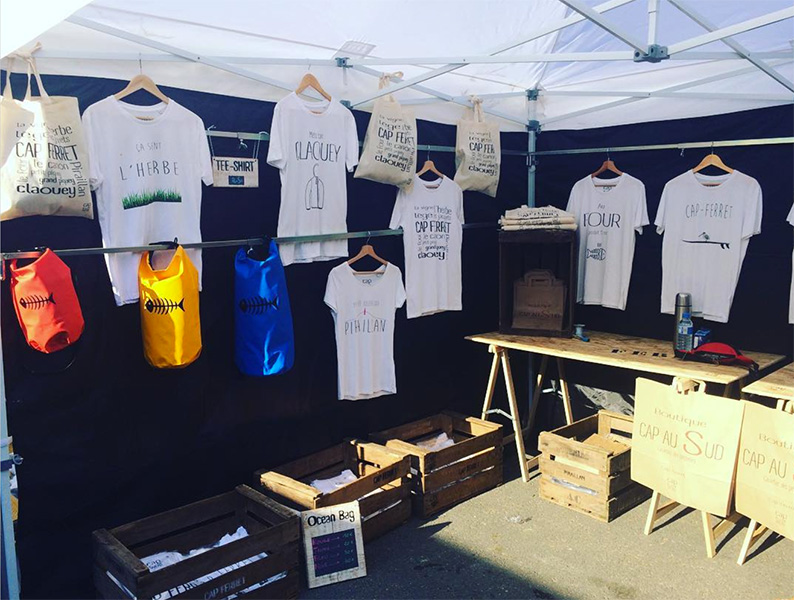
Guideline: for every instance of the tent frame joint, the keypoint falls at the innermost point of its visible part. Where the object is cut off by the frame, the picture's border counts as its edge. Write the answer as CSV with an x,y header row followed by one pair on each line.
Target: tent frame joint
x,y
654,54
347,104
533,94
343,62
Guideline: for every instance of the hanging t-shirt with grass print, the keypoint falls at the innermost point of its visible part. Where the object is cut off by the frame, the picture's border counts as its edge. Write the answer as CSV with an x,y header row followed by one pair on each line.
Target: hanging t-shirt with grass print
x,y
147,165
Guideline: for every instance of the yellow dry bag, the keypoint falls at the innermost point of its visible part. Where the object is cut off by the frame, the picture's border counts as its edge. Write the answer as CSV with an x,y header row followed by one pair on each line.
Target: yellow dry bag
x,y
169,310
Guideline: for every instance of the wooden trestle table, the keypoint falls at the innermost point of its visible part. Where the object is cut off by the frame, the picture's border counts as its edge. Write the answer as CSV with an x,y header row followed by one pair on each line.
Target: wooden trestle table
x,y
607,349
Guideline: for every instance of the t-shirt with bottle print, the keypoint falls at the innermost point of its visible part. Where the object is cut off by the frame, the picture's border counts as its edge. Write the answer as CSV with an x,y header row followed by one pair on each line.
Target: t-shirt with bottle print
x,y
312,144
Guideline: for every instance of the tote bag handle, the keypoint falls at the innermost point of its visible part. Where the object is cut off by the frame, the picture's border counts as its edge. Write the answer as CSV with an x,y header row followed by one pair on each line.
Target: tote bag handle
x,y
384,81
685,386
7,95
32,67
476,104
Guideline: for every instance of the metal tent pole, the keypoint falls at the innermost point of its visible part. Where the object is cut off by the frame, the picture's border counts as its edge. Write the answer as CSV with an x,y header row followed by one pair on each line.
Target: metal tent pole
x,y
10,573
533,128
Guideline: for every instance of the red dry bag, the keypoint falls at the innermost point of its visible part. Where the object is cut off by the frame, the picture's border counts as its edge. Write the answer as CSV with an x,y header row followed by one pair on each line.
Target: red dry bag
x,y
46,303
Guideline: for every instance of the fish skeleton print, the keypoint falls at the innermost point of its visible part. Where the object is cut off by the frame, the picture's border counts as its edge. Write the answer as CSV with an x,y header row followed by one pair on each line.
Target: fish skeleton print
x,y
257,305
163,306
35,301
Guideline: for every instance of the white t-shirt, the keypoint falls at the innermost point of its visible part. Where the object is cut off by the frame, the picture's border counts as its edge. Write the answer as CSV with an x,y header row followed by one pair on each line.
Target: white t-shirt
x,y
147,174
431,215
364,306
608,212
706,233
311,143
790,219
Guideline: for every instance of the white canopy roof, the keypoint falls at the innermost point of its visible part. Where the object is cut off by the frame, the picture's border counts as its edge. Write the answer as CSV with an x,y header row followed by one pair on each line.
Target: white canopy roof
x,y
578,53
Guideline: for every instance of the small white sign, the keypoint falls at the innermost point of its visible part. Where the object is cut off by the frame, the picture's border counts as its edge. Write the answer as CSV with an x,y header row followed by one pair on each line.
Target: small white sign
x,y
232,171
333,544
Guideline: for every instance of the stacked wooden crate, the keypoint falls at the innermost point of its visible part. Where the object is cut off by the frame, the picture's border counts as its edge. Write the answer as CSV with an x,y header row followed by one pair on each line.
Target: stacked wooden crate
x,y
586,466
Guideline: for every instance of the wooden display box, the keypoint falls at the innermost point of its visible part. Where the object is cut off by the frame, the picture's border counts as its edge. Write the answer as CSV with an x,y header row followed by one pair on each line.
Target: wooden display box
x,y
445,477
376,467
521,252
272,528
588,478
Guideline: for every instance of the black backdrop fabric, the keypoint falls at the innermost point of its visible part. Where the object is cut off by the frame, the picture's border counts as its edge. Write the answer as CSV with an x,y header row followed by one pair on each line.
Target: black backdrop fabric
x,y
109,439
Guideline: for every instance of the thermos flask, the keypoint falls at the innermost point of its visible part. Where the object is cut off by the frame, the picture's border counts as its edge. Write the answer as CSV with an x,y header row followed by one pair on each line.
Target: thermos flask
x,y
683,304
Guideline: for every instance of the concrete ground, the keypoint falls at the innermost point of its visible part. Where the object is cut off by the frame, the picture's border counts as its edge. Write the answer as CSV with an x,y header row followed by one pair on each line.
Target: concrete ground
x,y
509,543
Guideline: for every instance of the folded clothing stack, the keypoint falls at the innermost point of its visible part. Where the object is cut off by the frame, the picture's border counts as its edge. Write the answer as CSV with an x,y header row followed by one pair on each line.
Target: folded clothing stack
x,y
544,217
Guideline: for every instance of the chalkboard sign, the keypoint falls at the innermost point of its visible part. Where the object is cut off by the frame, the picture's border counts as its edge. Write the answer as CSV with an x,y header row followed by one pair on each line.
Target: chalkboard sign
x,y
333,544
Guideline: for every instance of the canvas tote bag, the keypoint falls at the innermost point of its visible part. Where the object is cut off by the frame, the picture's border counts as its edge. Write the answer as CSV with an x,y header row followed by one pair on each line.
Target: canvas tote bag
x,y
765,475
264,343
478,152
389,153
169,306
685,443
44,169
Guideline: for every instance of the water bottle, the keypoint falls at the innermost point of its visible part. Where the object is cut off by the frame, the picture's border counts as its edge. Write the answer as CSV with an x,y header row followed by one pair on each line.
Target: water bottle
x,y
683,304
685,337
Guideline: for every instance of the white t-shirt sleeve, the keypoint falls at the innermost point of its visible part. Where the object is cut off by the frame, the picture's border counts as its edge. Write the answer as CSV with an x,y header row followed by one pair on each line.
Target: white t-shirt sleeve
x,y
203,153
460,206
397,213
573,204
641,212
753,211
659,221
351,134
276,153
94,156
331,293
399,296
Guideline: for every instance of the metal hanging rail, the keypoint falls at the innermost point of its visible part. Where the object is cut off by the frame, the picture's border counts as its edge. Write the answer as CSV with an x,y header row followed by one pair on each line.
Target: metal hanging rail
x,y
264,137
258,241
680,146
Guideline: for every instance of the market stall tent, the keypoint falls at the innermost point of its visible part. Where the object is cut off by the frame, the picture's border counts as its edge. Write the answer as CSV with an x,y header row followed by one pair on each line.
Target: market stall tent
x,y
593,64
127,441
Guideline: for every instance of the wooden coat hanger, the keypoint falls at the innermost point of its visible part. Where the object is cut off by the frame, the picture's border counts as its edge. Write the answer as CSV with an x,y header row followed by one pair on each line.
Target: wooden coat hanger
x,y
367,250
607,165
142,82
429,166
712,160
310,81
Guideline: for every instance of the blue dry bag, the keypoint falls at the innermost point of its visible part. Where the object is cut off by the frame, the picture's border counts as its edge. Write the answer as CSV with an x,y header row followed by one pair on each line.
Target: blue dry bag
x,y
264,342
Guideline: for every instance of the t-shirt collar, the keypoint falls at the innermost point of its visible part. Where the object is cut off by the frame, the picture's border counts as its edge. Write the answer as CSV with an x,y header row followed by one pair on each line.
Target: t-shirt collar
x,y
430,186
157,111
614,182
698,179
308,106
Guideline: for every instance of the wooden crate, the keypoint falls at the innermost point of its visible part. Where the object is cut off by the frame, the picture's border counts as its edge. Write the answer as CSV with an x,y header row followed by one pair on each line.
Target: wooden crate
x,y
451,475
522,251
272,528
588,478
376,467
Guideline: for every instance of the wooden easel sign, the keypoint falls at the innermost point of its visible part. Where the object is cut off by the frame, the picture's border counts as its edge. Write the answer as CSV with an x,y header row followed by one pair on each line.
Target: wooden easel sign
x,y
333,545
